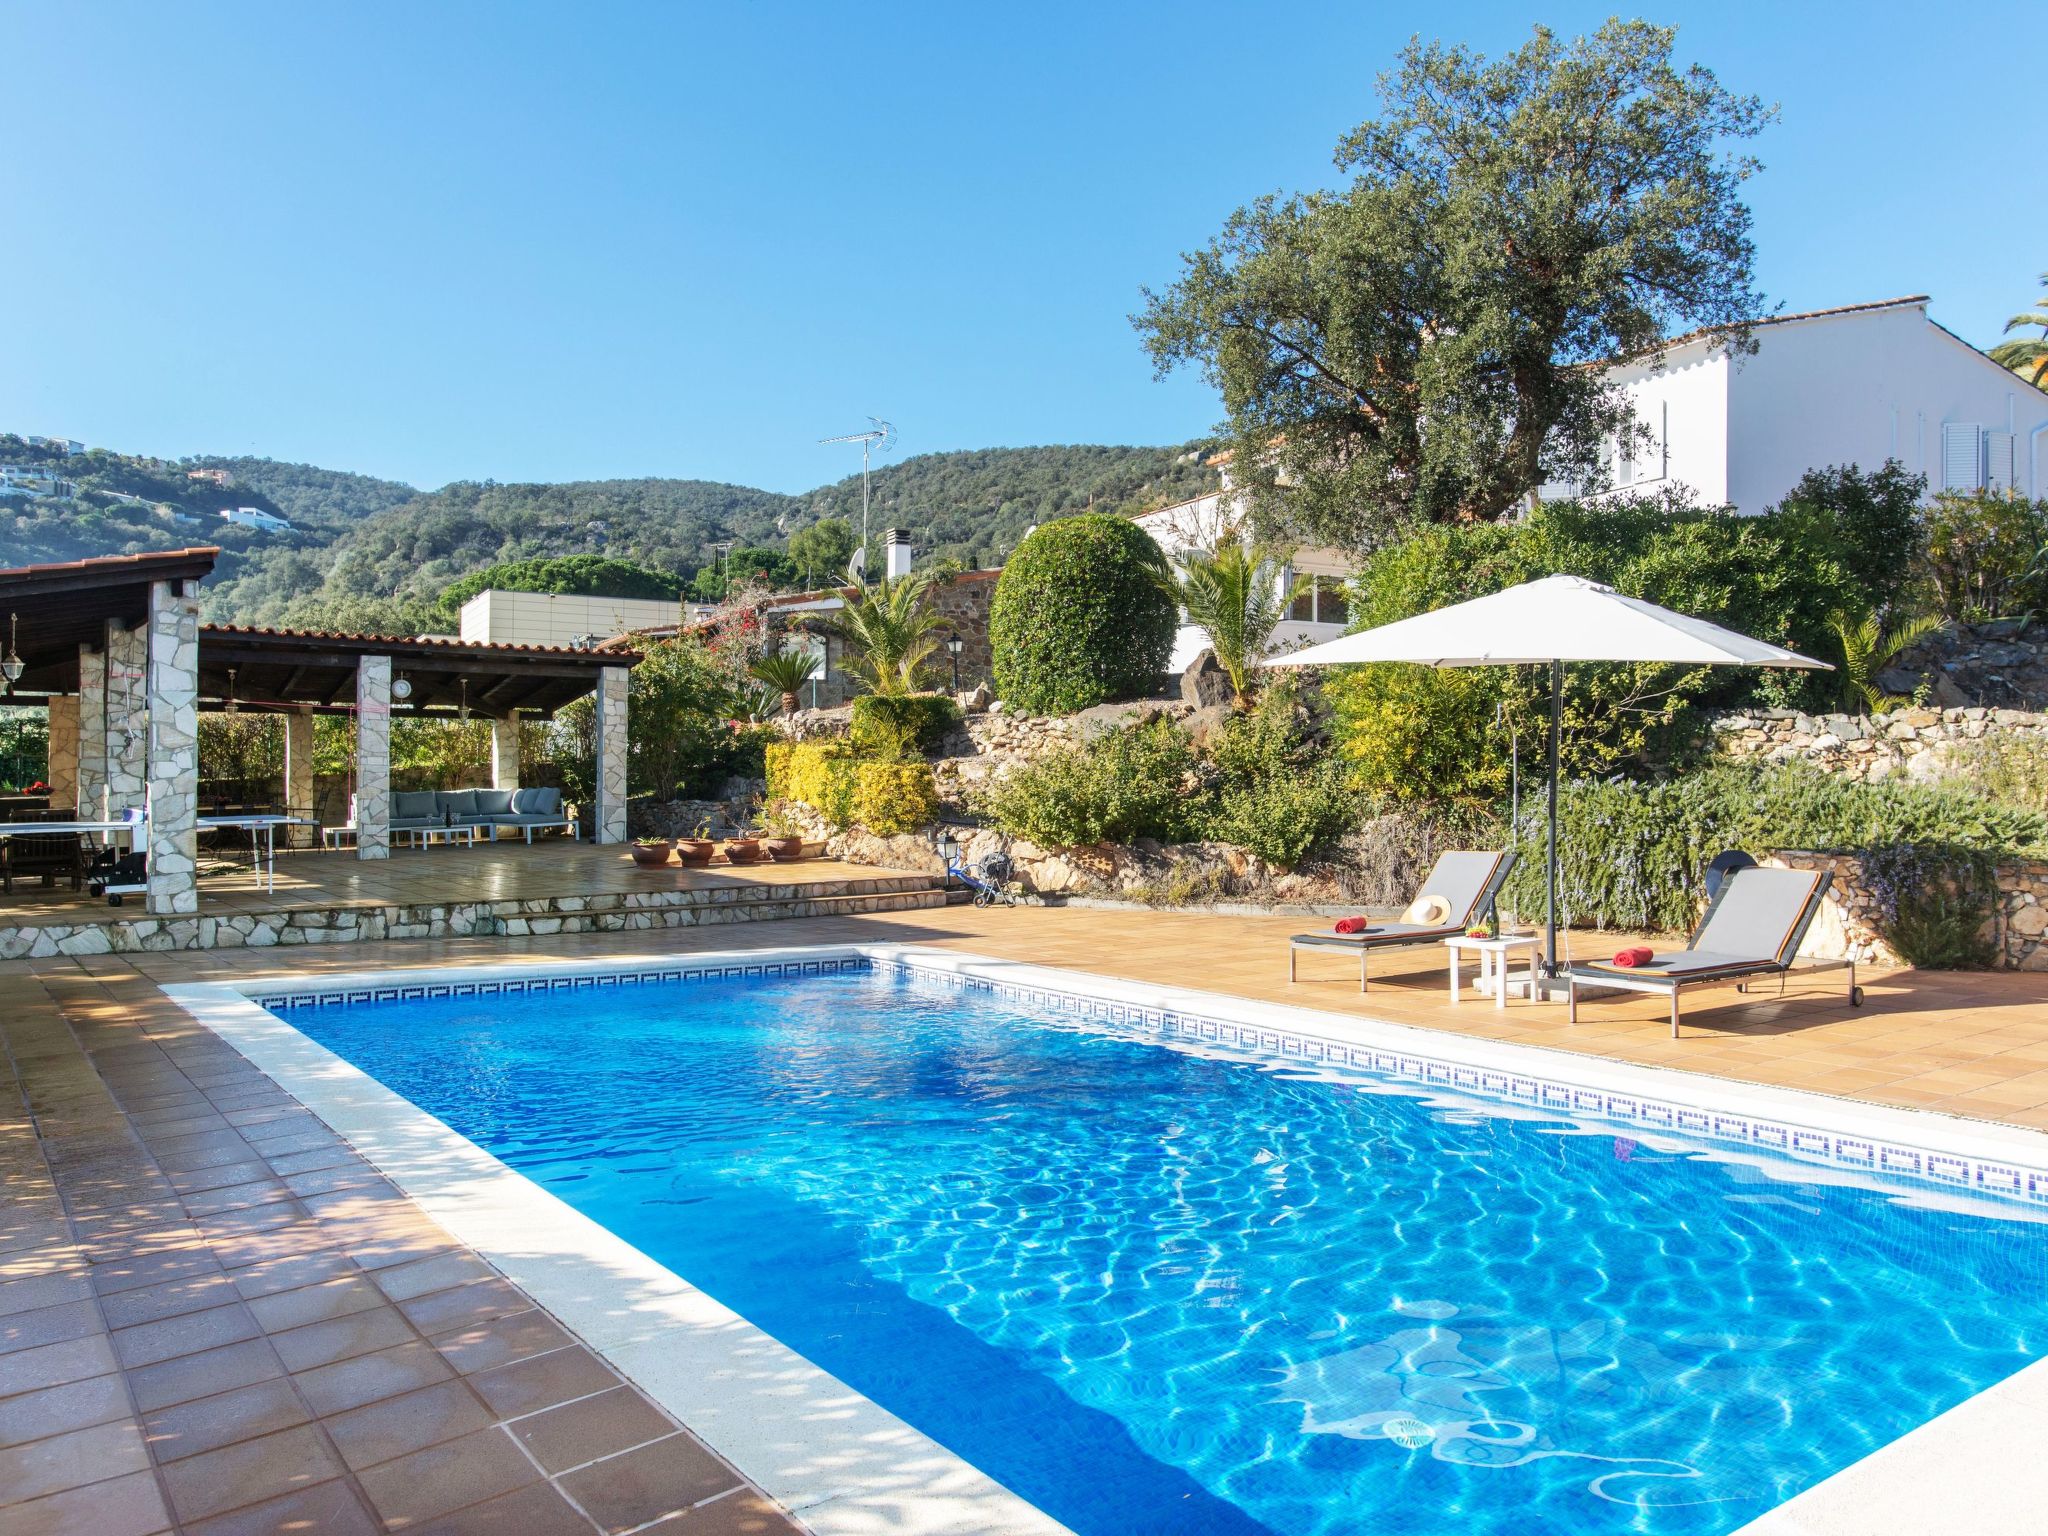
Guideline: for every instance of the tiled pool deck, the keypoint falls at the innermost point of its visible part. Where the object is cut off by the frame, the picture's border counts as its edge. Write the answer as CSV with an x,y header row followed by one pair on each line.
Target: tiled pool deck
x,y
215,1317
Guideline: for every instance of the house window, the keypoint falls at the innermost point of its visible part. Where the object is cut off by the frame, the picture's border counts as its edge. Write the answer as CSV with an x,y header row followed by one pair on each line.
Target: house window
x,y
1962,456
1319,600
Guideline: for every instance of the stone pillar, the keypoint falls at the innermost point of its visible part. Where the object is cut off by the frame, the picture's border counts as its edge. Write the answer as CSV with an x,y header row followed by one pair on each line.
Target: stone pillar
x,y
127,657
505,752
298,776
92,734
173,746
63,771
373,757
610,821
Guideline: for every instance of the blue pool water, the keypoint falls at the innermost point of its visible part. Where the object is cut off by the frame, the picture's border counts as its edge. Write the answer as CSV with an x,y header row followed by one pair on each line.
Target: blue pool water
x,y
1161,1292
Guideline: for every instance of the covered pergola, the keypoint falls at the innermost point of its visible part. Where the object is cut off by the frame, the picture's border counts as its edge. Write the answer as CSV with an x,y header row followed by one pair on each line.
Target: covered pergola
x,y
115,649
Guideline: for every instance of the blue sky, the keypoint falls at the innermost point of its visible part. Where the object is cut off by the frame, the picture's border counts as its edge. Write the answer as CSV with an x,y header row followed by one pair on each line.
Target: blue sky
x,y
561,242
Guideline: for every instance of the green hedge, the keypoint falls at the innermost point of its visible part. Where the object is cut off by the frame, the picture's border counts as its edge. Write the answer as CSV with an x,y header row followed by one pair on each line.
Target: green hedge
x,y
1082,615
901,728
885,797
1634,856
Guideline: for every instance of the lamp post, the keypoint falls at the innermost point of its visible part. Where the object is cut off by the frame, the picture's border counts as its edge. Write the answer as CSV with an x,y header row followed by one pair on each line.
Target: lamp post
x,y
947,846
954,646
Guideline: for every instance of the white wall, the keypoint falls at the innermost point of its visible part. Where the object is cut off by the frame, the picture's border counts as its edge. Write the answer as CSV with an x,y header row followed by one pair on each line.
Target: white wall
x,y
545,618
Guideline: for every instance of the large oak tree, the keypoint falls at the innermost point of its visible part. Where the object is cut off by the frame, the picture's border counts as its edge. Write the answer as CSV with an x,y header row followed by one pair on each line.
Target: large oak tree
x,y
1416,347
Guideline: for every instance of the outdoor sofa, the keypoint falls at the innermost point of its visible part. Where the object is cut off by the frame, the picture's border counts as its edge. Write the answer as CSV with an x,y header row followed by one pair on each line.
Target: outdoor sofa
x,y
1468,882
525,810
1754,924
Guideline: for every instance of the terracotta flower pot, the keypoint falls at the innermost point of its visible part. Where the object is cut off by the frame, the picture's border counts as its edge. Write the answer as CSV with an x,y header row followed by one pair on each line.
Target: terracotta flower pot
x,y
647,855
783,849
744,850
694,850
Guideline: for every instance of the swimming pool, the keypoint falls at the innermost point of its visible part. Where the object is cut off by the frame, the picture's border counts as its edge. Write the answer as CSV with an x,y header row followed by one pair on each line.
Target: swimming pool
x,y
1217,1289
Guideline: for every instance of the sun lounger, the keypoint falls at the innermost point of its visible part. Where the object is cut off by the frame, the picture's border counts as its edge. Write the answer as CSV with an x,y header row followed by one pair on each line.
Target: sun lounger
x,y
1468,883
1752,930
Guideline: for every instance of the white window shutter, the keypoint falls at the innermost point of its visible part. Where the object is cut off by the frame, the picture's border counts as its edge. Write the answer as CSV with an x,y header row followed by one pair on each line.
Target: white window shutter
x,y
2001,459
1962,456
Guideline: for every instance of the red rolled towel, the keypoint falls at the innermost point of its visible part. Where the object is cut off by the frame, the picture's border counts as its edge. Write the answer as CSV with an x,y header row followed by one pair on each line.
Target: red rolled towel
x,y
1353,924
1629,959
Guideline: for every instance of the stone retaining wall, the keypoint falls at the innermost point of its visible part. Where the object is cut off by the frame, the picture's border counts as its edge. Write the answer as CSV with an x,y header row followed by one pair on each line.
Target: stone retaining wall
x,y
1851,918
608,912
1915,744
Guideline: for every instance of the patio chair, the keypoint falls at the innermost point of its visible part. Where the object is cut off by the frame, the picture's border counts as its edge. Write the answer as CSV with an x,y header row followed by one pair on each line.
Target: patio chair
x,y
1467,882
1753,927
53,856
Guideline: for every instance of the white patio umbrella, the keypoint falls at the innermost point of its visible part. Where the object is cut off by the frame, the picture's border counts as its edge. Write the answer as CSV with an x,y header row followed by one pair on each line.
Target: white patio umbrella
x,y
1553,621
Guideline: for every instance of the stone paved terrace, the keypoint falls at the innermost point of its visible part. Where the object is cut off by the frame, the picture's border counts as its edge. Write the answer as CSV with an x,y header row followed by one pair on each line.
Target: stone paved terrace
x,y
214,1317
499,889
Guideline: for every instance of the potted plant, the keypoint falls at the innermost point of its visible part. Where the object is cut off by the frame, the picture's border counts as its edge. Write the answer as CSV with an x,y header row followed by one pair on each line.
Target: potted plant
x,y
650,851
782,838
744,849
696,849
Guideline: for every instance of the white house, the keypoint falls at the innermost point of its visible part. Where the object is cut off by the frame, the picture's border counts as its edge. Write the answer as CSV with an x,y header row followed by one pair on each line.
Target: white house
x,y
257,518
70,445
1856,385
560,618
1318,611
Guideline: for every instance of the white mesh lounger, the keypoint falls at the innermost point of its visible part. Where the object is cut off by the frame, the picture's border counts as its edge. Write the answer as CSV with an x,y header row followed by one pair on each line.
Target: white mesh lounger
x,y
1752,929
1468,883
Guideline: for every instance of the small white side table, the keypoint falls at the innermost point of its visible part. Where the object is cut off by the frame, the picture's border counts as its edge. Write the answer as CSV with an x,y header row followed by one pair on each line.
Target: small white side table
x,y
464,834
1492,980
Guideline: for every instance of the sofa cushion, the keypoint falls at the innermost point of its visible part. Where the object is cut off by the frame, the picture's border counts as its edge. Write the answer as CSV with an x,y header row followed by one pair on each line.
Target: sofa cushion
x,y
537,802
415,805
459,803
493,802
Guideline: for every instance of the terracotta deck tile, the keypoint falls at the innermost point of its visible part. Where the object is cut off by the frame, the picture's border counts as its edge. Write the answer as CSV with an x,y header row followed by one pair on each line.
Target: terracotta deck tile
x,y
591,1428
204,1374
665,1477
248,1472
333,1389
535,1510
72,1459
326,1509
464,1306
501,1341
120,1506
398,1426
57,1410
209,1423
447,1477
541,1381
322,1302
48,1325
744,1513
53,1365
405,1281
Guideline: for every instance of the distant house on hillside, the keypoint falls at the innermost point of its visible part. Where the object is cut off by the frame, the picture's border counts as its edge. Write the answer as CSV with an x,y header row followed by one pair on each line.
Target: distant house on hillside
x,y
224,478
1856,385
68,446
257,518
30,482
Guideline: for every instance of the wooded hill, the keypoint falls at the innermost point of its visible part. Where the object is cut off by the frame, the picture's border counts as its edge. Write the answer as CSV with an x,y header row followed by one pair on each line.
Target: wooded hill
x,y
369,553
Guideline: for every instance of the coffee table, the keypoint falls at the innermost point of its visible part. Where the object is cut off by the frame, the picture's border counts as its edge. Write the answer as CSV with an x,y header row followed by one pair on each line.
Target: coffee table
x,y
1492,980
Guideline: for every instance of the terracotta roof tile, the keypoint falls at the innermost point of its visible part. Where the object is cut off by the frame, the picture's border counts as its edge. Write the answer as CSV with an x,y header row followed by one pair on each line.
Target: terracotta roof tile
x,y
434,642
118,565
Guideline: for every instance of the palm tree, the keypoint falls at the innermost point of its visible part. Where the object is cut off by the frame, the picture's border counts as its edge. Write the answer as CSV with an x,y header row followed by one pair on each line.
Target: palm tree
x,y
1233,595
1868,648
2028,359
786,672
887,631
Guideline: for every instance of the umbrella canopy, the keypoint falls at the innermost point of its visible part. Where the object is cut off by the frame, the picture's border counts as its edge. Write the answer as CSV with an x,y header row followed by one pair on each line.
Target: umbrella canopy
x,y
1550,622
1560,618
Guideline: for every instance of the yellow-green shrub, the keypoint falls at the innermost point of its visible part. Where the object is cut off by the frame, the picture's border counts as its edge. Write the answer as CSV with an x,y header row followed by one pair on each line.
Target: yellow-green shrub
x,y
894,797
817,773
886,798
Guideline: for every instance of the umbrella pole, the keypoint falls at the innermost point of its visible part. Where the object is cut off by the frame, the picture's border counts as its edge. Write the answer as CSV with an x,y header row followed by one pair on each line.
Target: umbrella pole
x,y
1556,730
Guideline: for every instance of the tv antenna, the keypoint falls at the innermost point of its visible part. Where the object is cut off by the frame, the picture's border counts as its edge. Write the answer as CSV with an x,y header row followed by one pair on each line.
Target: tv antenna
x,y
876,439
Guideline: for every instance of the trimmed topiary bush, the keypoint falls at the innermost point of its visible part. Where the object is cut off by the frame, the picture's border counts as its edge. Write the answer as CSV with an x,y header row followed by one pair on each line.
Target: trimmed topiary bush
x,y
884,797
889,798
1082,615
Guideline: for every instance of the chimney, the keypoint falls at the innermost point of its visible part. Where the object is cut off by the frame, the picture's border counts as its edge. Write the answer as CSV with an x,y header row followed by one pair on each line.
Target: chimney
x,y
896,553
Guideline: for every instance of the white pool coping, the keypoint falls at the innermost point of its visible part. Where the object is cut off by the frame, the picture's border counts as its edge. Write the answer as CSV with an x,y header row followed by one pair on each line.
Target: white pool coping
x,y
845,1466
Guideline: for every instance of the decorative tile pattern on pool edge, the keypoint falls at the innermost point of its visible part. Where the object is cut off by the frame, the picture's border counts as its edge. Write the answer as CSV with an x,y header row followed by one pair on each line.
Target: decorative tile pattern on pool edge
x,y
557,982
1857,1154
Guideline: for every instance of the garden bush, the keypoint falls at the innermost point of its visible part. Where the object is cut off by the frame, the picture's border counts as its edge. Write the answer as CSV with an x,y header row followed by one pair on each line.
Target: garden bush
x,y
903,727
1081,615
884,797
1133,782
1280,793
1634,855
1987,556
889,798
